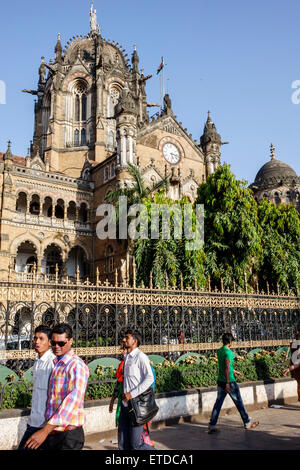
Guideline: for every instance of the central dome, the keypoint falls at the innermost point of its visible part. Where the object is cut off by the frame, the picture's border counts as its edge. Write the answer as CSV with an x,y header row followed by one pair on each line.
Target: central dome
x,y
275,172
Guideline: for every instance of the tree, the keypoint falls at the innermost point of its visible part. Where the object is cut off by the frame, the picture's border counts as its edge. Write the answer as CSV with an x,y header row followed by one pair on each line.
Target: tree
x,y
167,256
232,232
281,246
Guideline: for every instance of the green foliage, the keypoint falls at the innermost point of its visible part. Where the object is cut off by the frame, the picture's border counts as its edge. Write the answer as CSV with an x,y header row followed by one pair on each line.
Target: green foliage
x,y
16,395
168,253
190,373
281,241
232,232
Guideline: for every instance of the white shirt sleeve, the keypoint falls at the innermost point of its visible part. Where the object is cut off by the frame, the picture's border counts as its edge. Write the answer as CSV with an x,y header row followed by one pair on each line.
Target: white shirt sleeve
x,y
146,373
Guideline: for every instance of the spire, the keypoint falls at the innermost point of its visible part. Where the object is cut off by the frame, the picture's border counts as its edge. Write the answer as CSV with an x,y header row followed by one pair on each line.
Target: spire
x,y
135,60
209,133
272,148
8,155
58,50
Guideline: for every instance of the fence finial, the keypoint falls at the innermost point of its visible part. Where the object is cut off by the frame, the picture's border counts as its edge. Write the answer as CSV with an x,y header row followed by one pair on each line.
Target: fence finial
x,y
97,276
222,285
181,282
195,283
268,288
77,274
116,277
151,281
208,282
245,281
278,288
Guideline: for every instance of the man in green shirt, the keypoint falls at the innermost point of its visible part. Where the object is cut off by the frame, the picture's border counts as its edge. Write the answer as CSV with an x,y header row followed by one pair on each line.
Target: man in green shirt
x,y
227,384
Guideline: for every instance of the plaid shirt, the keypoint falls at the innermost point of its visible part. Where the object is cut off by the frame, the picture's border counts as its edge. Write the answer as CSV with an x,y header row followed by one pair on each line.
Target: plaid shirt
x,y
66,391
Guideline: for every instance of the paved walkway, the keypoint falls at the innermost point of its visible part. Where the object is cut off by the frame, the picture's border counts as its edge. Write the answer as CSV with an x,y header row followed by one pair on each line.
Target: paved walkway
x,y
279,429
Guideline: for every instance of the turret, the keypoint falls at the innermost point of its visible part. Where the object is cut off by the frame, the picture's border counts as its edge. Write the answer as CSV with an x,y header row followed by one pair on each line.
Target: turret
x,y
210,142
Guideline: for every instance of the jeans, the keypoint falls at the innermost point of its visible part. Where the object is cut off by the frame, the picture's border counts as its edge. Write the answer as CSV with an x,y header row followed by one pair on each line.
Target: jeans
x,y
237,399
130,437
28,433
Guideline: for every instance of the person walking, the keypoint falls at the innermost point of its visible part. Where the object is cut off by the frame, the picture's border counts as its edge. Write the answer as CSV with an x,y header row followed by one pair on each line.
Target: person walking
x,y
227,384
295,373
137,378
118,390
64,414
41,372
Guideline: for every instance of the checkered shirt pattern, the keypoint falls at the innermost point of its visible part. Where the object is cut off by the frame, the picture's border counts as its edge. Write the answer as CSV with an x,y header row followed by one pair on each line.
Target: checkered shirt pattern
x,y
66,392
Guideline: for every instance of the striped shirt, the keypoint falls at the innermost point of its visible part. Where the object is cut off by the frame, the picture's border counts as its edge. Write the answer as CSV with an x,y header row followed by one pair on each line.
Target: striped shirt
x,y
66,391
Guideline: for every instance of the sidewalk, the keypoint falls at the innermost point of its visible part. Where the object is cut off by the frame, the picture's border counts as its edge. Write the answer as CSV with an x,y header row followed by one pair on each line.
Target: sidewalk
x,y
279,429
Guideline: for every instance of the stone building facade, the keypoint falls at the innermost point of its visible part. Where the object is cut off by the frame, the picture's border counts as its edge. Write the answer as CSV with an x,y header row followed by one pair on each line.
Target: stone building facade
x,y
91,121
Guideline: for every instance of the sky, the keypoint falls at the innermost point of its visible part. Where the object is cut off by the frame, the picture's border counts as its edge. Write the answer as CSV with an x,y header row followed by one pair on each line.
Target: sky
x,y
235,58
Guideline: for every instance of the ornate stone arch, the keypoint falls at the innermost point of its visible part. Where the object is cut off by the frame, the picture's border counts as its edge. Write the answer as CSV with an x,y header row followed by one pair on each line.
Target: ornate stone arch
x,y
56,241
24,238
70,80
82,245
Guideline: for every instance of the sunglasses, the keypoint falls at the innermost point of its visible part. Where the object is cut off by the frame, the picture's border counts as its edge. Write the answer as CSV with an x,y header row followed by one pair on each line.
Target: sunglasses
x,y
61,344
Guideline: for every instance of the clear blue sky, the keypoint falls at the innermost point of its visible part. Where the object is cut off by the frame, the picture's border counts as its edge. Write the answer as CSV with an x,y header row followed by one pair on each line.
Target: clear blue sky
x,y
236,58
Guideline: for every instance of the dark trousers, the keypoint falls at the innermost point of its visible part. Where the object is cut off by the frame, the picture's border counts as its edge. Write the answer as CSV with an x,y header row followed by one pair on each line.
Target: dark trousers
x,y
67,440
237,399
28,433
130,437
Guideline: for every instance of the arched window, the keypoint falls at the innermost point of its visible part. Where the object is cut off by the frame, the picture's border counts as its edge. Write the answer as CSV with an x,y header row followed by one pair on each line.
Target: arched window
x,y
77,108
109,261
83,137
83,108
80,91
277,199
76,138
111,140
113,98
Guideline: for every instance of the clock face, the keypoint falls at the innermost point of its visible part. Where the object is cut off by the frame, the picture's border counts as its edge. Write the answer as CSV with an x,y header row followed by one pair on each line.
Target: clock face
x,y
171,153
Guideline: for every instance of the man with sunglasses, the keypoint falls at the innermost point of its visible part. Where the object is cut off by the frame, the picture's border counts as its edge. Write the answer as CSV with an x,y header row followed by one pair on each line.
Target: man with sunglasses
x,y
41,372
67,385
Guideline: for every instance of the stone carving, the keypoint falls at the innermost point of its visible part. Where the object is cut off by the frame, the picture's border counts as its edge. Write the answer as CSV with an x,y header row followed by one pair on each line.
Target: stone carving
x,y
93,19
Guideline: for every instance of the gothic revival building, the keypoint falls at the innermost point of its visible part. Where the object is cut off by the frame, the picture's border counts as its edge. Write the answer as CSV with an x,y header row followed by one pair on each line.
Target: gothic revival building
x,y
91,121
278,182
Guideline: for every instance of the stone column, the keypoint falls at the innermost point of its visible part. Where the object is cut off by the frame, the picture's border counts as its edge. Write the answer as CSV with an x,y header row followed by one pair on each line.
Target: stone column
x,y
123,148
130,156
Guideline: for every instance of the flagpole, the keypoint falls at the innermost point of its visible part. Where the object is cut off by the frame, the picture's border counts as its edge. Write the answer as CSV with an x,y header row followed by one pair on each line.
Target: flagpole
x,y
160,92
163,78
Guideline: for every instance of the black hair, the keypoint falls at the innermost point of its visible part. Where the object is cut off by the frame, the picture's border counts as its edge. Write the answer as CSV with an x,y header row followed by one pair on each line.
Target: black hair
x,y
62,328
297,336
227,338
136,335
43,329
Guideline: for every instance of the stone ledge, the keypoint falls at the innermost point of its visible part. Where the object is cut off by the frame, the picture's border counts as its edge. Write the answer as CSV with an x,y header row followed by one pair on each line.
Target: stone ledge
x,y
174,407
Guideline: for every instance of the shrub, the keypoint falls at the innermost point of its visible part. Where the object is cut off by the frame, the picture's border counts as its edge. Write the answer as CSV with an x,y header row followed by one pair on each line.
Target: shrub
x,y
190,373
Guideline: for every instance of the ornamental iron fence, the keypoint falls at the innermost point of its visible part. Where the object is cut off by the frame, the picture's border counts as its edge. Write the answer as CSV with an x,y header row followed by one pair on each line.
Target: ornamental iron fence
x,y
171,320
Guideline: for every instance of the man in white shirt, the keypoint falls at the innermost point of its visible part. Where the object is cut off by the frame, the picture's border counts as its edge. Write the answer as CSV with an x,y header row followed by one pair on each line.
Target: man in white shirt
x,y
137,378
42,369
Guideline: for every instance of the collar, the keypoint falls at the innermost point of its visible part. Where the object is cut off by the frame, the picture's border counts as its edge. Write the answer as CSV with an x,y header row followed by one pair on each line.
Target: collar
x,y
45,356
134,352
65,359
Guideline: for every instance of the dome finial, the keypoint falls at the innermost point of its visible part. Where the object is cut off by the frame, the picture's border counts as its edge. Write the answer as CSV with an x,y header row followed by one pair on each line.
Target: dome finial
x,y
272,148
